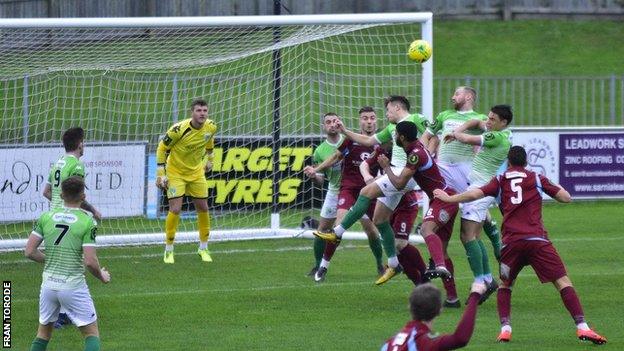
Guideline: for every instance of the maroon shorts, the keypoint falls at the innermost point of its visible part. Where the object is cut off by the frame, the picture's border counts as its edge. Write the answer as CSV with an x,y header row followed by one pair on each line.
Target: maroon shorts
x,y
541,255
443,214
402,220
347,198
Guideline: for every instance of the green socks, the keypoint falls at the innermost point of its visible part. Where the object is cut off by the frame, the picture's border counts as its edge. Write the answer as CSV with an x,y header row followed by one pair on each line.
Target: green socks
x,y
387,237
484,260
492,232
375,246
356,212
319,248
475,257
38,345
92,343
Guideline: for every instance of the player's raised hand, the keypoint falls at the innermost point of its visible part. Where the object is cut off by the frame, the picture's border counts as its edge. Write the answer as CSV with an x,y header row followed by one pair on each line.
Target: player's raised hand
x,y
449,137
105,275
340,127
383,161
440,194
478,287
309,171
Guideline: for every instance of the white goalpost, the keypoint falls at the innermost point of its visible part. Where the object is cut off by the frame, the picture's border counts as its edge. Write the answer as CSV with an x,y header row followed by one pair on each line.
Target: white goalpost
x,y
267,81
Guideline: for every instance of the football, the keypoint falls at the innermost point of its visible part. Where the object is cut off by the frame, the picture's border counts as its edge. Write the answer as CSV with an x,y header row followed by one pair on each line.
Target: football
x,y
419,51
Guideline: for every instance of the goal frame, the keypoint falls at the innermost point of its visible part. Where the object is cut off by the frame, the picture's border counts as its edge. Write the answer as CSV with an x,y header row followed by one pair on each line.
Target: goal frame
x,y
275,231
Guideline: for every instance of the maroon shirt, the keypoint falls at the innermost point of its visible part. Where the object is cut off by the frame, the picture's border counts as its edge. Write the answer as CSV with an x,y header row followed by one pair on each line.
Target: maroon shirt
x,y
354,154
518,193
427,174
416,335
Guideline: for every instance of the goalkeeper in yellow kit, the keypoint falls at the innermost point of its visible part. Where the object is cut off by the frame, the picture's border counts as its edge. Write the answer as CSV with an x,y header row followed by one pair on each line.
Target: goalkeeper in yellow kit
x,y
183,157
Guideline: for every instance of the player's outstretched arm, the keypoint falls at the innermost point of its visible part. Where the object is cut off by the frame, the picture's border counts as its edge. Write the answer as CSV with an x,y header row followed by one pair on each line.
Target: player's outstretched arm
x,y
88,207
562,195
358,138
399,181
366,173
471,124
330,161
93,265
467,196
32,251
431,142
317,178
463,332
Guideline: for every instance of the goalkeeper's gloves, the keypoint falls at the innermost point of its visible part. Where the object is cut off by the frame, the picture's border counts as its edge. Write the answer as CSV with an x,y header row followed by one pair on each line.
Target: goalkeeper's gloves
x,y
161,178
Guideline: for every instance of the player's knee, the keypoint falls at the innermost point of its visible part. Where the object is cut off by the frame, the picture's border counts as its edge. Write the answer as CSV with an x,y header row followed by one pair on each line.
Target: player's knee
x,y
505,284
45,331
400,244
90,330
467,236
175,209
427,228
367,191
562,283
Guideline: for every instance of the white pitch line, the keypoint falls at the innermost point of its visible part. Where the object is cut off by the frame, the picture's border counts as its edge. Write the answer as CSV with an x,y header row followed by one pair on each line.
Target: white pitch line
x,y
289,287
187,253
285,249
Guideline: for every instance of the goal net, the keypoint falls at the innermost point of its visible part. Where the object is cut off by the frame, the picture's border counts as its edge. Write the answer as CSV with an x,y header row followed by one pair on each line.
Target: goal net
x,y
267,81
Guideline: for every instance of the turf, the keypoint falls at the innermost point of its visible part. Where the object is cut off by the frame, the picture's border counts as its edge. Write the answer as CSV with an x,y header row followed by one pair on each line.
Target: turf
x,y
255,296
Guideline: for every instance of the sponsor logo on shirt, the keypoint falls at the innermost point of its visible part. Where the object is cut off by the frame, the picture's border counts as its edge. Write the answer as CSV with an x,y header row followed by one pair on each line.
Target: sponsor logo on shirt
x,y
64,217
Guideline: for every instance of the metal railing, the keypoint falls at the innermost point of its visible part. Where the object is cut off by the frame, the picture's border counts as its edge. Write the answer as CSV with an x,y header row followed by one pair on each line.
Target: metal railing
x,y
547,101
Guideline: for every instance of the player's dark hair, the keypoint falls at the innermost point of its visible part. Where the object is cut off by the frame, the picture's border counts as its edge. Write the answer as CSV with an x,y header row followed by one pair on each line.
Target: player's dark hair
x,y
198,102
330,114
408,130
366,109
503,112
72,188
398,99
425,302
517,156
72,138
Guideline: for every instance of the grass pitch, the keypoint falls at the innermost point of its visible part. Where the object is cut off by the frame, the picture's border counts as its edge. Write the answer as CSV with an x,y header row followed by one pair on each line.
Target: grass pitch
x,y
255,295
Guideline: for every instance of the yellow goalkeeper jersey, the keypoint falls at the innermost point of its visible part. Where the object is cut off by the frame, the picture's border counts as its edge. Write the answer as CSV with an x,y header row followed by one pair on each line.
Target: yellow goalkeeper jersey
x,y
185,149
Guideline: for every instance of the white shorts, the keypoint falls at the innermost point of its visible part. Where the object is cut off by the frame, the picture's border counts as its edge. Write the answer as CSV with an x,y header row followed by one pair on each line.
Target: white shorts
x,y
330,205
77,303
477,210
456,174
392,196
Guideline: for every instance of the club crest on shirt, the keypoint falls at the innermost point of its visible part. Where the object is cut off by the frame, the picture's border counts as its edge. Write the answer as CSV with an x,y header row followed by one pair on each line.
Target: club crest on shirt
x,y
443,216
171,191
489,136
341,201
412,159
